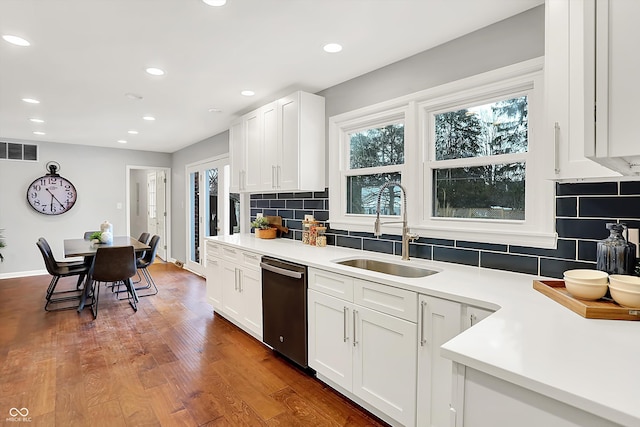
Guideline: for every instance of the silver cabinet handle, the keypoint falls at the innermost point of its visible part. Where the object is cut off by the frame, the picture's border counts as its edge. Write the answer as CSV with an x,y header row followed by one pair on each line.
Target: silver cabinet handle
x,y
355,338
472,319
345,317
273,176
235,279
423,308
278,177
241,278
556,141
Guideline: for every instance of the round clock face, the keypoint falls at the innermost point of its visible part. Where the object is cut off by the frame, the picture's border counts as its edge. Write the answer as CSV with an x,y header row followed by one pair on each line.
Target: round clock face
x,y
51,195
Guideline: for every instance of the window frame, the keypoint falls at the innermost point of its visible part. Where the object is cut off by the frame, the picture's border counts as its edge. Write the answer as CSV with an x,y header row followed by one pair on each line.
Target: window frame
x,y
538,228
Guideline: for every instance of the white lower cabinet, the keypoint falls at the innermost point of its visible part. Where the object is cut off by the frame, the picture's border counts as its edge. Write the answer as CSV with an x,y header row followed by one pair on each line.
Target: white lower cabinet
x,y
440,321
365,353
234,287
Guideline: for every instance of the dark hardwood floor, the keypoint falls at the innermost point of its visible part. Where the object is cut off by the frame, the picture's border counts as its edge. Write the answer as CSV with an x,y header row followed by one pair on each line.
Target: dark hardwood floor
x,y
173,363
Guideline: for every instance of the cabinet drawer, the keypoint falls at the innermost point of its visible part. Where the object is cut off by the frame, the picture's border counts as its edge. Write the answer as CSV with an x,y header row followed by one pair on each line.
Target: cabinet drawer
x,y
333,284
387,299
213,248
250,259
231,254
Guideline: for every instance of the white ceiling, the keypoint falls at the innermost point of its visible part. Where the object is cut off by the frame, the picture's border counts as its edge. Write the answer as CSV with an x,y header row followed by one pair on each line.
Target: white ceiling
x,y
85,55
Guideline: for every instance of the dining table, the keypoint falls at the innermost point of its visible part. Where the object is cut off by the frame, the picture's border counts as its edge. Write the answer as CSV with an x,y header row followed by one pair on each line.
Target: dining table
x,y
85,248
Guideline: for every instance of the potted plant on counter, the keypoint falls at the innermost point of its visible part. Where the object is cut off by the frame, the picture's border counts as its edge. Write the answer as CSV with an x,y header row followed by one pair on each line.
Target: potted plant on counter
x,y
263,229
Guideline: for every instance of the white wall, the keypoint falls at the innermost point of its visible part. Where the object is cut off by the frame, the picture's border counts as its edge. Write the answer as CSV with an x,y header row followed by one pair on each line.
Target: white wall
x,y
99,176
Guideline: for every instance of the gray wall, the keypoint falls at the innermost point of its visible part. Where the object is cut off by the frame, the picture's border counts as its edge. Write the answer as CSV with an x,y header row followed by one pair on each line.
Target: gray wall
x,y
507,42
99,175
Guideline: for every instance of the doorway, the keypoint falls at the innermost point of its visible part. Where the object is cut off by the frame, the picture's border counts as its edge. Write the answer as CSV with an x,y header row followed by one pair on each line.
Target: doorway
x,y
148,196
211,209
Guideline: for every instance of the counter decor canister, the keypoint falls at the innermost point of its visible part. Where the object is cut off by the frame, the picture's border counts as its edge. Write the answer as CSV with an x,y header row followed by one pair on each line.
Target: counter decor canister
x,y
615,254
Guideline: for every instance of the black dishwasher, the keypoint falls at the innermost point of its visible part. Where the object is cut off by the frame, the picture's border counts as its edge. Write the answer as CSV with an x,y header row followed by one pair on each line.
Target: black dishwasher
x,y
284,308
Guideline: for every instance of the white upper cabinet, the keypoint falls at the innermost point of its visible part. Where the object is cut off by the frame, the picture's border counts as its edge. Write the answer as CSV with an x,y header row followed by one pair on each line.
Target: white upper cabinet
x,y
569,88
617,142
236,154
282,146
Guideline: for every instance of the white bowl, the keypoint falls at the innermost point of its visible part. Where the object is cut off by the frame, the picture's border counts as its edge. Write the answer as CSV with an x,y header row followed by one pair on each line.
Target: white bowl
x,y
625,298
584,275
623,281
585,290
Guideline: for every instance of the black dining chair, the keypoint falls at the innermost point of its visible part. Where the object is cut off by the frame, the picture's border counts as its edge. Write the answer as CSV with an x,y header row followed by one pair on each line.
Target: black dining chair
x,y
144,238
57,270
114,264
145,262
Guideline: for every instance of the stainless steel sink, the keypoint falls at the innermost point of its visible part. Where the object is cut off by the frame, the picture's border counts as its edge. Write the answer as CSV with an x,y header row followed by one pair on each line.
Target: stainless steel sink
x,y
387,267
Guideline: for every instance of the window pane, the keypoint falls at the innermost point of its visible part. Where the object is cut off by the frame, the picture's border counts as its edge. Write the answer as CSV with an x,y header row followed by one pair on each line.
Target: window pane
x,y
377,147
484,130
362,194
488,192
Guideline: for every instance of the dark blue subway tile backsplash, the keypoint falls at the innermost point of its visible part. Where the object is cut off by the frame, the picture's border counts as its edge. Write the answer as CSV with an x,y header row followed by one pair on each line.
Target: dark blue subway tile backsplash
x,y
582,212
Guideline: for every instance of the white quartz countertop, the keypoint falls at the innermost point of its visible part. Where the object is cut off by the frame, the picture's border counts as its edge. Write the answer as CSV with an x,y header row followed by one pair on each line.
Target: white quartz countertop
x,y
530,340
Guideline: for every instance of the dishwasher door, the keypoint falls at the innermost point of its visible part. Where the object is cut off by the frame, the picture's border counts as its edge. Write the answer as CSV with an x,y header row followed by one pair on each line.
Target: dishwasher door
x,y
284,308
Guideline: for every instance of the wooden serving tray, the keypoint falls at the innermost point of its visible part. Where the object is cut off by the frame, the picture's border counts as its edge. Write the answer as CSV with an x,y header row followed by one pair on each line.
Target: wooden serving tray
x,y
599,309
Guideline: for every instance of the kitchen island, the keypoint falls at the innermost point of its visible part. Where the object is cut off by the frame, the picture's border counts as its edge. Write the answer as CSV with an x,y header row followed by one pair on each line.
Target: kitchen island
x,y
530,343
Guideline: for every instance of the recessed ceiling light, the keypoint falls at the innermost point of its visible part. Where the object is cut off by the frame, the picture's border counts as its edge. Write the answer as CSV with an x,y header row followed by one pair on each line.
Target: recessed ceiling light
x,y
37,132
155,71
133,96
122,141
247,93
332,47
18,41
132,132
215,110
149,118
215,2
31,100
36,120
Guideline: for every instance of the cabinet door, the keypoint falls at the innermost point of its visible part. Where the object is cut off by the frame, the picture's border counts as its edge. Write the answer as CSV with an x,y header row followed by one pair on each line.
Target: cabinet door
x,y
440,321
237,156
214,282
269,137
617,70
330,334
252,124
289,144
569,81
384,369
250,289
231,297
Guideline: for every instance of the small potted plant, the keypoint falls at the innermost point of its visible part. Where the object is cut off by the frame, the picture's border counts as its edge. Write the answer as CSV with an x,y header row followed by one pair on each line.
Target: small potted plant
x,y
263,229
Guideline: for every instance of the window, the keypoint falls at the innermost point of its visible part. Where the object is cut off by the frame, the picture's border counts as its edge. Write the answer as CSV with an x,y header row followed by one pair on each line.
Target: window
x,y
469,154
376,156
489,133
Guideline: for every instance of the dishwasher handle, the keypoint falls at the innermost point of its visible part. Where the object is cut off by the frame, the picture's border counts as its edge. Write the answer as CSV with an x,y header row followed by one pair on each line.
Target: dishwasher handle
x,y
282,271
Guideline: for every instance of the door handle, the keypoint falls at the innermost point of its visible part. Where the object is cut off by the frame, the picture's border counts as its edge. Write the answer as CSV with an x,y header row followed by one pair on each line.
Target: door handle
x,y
235,279
278,176
240,278
423,306
355,338
273,176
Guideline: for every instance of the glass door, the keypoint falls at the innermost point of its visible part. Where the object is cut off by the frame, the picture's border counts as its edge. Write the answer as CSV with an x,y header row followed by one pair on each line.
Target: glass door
x,y
211,209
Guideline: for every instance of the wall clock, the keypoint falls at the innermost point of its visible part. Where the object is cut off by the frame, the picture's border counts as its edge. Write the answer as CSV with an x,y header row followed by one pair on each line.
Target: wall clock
x,y
51,194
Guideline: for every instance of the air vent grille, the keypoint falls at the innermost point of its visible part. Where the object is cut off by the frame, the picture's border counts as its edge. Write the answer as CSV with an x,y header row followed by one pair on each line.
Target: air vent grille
x,y
17,151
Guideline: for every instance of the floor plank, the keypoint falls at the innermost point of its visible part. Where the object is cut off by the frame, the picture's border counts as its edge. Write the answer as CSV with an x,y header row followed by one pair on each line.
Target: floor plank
x,y
172,363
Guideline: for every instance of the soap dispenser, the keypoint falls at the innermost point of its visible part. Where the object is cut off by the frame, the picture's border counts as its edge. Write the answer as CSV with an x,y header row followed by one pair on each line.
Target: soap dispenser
x,y
615,254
